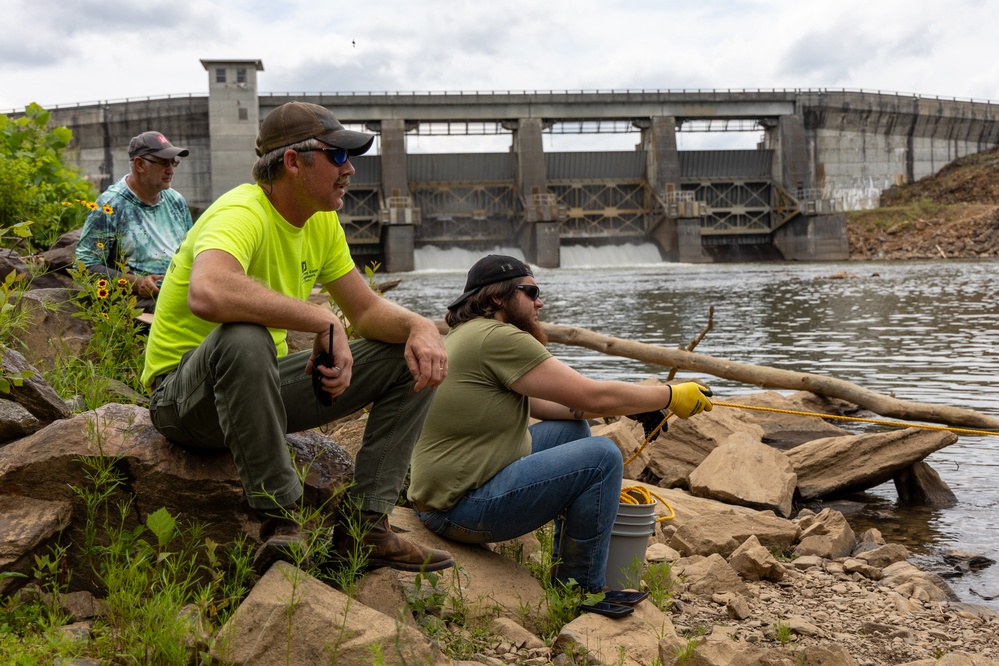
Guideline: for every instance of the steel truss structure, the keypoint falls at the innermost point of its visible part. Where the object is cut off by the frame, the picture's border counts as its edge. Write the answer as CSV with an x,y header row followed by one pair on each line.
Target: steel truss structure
x,y
492,213
603,210
447,212
465,213
738,207
359,216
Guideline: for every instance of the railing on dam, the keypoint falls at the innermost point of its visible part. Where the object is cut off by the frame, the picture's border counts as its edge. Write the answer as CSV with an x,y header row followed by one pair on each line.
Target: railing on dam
x,y
497,93
629,91
105,102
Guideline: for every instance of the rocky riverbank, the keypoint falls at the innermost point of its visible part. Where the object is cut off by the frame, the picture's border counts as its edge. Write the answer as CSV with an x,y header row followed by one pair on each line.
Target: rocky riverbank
x,y
750,580
951,214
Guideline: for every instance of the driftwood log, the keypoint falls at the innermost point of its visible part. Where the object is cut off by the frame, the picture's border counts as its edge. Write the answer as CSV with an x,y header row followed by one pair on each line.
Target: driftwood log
x,y
770,378
767,378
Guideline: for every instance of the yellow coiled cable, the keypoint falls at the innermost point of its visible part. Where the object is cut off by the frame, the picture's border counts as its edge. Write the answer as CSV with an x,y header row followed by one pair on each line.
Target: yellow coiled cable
x,y
642,495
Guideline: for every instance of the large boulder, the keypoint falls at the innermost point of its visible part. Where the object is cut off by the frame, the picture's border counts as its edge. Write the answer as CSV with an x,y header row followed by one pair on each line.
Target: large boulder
x,y
754,562
629,438
62,254
844,465
689,441
826,534
490,583
52,464
629,641
723,532
51,333
707,576
290,617
12,261
785,430
747,472
26,526
914,583
34,395
920,485
16,421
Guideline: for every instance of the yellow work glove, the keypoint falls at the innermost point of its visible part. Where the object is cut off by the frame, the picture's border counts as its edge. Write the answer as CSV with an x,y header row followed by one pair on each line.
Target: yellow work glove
x,y
689,398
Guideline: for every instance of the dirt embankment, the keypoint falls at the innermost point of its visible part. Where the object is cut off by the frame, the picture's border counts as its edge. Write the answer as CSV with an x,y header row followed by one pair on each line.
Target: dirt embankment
x,y
954,213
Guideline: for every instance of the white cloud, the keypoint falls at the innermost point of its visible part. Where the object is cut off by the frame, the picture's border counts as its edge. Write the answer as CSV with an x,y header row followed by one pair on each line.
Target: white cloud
x,y
59,52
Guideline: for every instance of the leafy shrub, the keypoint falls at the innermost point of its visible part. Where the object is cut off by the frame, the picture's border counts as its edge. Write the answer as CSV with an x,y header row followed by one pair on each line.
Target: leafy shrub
x,y
36,177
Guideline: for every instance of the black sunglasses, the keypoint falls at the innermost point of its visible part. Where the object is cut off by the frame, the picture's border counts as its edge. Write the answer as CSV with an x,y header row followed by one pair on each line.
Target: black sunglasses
x,y
532,291
174,162
337,156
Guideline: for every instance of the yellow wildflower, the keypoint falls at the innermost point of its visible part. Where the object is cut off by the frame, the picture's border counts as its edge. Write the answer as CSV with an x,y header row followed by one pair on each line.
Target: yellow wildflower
x,y
67,203
108,209
105,314
92,205
100,245
102,293
122,283
102,283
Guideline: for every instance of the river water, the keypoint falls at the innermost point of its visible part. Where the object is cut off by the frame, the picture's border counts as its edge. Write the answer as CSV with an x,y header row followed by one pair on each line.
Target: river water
x,y
925,331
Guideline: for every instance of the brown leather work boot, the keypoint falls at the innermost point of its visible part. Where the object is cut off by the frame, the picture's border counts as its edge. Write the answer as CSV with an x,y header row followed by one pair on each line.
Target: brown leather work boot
x,y
385,548
284,539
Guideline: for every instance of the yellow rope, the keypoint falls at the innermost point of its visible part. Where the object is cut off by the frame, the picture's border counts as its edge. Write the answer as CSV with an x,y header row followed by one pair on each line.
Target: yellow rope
x,y
642,495
628,494
966,431
649,438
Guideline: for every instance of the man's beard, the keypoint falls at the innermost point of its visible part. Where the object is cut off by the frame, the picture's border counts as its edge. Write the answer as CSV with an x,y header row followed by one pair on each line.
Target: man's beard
x,y
527,324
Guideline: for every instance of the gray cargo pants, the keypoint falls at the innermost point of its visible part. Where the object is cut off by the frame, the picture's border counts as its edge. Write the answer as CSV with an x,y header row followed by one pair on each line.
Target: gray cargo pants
x,y
233,392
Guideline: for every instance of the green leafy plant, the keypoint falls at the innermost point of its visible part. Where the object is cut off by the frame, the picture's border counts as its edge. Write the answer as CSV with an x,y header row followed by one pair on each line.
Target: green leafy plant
x,y
685,654
632,575
113,356
782,632
151,572
425,597
12,318
781,555
29,625
36,176
659,583
438,604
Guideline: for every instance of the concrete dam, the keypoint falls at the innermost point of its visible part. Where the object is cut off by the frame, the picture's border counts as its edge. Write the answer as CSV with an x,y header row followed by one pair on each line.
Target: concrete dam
x,y
822,152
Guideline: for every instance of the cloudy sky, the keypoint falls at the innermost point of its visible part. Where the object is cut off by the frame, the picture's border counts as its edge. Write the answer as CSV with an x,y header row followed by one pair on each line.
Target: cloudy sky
x,y
58,52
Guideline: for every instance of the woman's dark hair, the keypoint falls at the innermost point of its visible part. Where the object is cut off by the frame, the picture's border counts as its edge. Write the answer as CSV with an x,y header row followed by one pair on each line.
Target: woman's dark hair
x,y
483,302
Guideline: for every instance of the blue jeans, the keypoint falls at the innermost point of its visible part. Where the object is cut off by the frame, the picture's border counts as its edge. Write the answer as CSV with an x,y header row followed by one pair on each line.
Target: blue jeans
x,y
570,477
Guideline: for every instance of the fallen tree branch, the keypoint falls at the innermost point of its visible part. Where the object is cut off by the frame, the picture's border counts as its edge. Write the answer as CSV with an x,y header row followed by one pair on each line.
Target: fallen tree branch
x,y
693,343
770,378
764,377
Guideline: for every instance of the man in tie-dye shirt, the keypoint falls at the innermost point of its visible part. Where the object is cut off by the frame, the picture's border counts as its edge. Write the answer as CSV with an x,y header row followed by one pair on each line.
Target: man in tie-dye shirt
x,y
139,221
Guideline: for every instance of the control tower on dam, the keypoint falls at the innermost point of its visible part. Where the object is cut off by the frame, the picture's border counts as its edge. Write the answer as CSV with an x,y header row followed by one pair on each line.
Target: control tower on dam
x,y
821,152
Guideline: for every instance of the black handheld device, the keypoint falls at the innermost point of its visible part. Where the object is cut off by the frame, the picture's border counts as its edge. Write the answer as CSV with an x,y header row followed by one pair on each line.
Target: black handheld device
x,y
608,609
326,360
625,598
